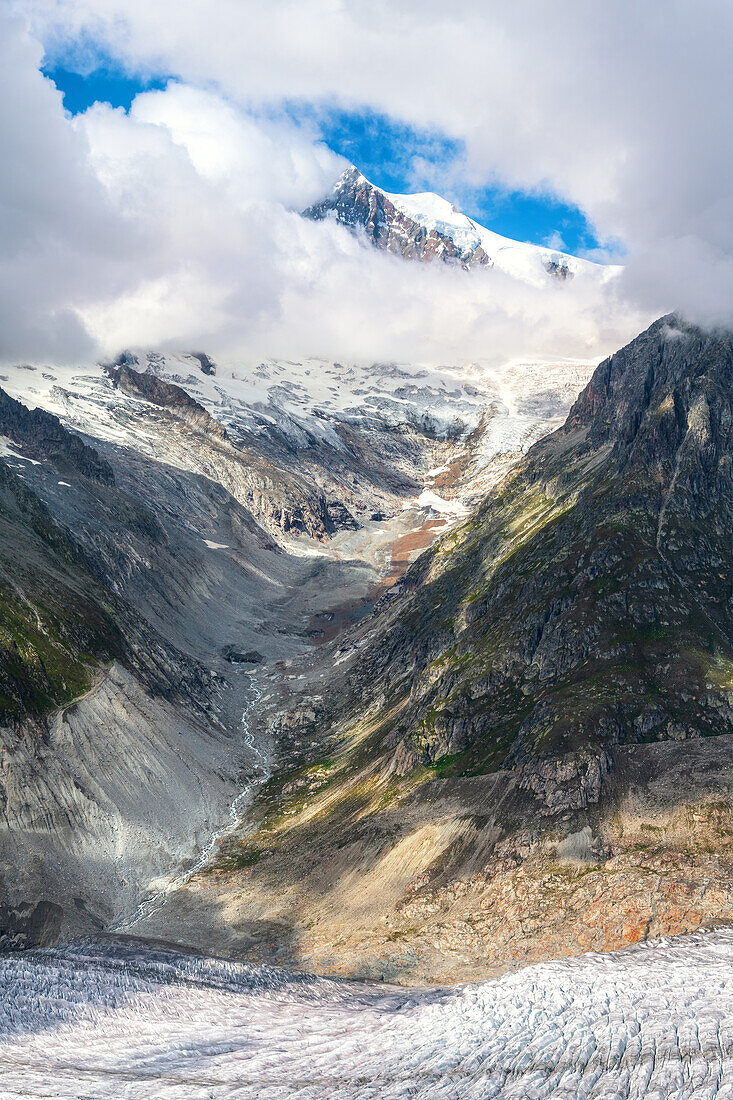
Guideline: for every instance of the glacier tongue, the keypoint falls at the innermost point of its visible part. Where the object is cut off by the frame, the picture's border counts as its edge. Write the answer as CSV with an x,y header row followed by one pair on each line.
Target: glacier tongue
x,y
125,1018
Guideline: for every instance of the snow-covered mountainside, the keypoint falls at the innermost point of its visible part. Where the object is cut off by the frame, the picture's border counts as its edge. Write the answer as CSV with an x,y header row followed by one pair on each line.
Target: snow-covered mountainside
x,y
341,441
427,227
113,1019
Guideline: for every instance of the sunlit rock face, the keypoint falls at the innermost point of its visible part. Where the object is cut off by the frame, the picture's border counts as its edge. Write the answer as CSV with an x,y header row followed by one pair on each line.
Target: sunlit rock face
x,y
428,227
116,1018
154,513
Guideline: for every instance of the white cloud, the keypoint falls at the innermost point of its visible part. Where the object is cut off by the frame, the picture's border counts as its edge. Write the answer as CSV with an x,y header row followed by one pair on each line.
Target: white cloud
x,y
620,108
174,223
253,159
555,241
55,218
232,269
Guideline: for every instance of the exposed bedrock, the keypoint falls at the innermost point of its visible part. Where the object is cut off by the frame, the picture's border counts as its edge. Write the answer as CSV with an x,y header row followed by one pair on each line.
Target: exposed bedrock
x,y
525,750
464,878
100,798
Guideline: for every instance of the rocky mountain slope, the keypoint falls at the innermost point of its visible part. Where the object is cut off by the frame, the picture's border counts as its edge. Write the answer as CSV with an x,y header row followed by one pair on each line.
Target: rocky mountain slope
x,y
94,697
480,773
501,744
427,227
128,584
587,603
198,513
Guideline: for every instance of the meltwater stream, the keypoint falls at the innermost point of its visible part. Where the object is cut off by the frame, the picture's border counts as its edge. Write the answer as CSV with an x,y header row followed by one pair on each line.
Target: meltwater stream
x,y
155,902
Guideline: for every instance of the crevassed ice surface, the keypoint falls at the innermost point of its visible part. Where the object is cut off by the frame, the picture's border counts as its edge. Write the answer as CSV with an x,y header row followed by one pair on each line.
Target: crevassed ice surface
x,y
134,1020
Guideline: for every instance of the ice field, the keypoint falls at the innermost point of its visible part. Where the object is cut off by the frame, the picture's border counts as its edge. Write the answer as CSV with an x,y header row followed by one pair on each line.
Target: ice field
x,y
133,1020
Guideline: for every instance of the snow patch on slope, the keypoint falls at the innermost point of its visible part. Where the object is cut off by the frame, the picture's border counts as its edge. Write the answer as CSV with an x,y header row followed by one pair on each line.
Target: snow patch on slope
x,y
522,260
429,499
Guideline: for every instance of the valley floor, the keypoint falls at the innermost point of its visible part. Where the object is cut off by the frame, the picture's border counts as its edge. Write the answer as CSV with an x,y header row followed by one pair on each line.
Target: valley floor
x,y
134,1019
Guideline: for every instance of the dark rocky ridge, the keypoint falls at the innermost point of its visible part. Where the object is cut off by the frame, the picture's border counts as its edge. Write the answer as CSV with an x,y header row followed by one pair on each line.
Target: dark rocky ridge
x,y
208,366
55,630
283,499
167,395
41,435
588,601
357,204
64,617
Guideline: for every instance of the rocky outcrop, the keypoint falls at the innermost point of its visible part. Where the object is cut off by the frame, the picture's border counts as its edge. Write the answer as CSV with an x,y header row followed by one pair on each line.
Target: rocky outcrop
x,y
559,269
148,387
238,656
340,516
208,366
41,436
565,783
356,203
587,603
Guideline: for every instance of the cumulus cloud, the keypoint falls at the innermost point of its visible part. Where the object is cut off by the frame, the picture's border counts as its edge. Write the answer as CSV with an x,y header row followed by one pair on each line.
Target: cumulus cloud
x,y
56,220
175,223
231,268
254,159
620,108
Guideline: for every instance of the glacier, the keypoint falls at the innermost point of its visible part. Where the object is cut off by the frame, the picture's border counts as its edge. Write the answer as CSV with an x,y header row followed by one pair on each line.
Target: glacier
x,y
125,1018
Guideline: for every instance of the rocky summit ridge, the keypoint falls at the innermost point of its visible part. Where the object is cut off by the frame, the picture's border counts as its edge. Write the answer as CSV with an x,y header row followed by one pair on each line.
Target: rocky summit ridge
x,y
426,227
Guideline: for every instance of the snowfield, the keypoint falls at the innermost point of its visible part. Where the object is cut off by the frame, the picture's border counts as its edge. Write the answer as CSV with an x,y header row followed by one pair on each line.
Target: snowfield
x,y
306,401
523,261
115,1018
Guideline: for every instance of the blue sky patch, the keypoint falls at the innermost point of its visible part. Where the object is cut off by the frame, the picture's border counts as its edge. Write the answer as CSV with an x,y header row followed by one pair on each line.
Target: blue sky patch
x,y
103,85
394,156
401,159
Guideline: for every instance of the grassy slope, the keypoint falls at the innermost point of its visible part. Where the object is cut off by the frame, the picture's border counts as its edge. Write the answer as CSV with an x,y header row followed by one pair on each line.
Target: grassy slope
x,y
584,606
55,630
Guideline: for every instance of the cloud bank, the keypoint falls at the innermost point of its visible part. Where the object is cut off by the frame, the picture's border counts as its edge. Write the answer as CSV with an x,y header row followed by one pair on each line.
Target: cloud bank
x,y
175,224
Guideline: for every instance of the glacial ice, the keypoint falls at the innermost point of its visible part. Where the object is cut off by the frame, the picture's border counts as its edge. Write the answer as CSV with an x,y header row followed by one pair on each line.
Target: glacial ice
x,y
129,1019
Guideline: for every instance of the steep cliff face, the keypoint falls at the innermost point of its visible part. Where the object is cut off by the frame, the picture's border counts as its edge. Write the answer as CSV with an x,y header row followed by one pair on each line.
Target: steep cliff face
x,y
54,629
282,501
42,435
107,729
587,602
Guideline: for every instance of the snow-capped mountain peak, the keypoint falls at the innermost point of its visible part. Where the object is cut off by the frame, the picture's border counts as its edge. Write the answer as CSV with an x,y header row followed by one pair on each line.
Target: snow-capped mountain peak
x,y
426,226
